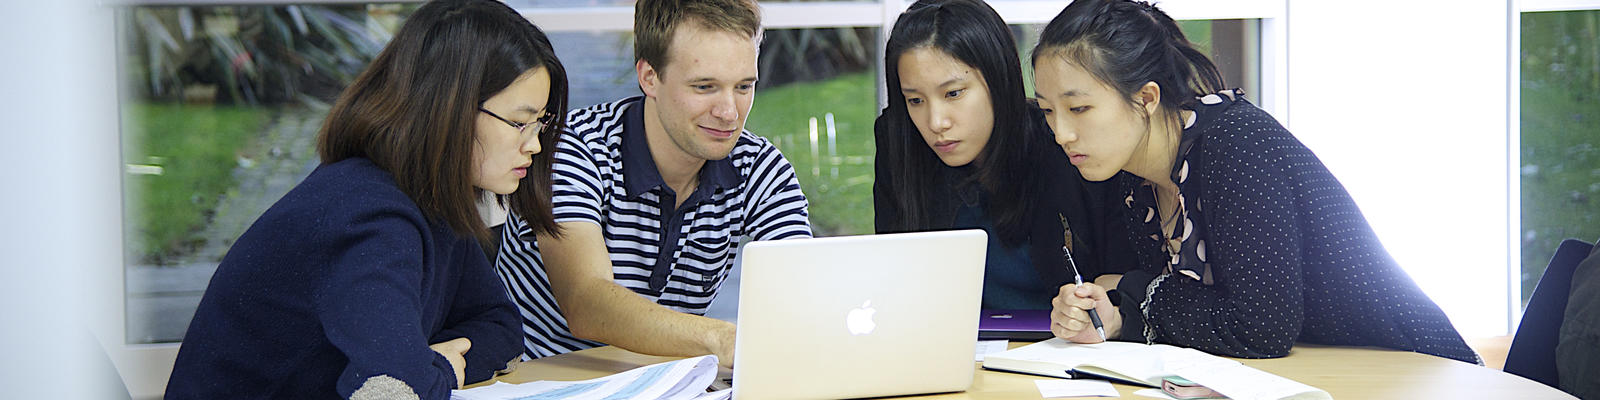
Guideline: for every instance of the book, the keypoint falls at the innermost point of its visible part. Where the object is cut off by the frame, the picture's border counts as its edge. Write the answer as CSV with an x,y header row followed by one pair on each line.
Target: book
x,y
1132,363
686,379
1146,365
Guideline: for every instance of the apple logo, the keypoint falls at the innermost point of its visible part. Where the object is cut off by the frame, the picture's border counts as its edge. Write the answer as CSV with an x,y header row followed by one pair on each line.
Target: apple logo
x,y
859,320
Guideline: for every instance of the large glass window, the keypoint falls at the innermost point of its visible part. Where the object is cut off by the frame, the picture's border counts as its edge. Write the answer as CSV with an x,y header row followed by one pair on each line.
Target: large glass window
x,y
816,101
1560,125
223,104
599,66
221,107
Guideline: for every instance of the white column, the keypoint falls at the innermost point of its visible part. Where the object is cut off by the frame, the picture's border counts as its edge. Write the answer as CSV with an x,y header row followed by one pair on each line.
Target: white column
x,y
60,220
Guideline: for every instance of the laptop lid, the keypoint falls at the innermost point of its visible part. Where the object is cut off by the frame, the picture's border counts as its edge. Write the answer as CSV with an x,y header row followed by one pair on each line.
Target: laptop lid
x,y
1014,324
858,316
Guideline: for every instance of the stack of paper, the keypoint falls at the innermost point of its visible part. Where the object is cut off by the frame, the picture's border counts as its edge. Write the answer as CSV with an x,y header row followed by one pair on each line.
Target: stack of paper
x,y
685,379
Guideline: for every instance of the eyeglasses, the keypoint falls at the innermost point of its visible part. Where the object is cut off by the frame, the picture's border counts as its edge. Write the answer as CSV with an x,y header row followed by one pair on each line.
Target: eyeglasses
x,y
536,126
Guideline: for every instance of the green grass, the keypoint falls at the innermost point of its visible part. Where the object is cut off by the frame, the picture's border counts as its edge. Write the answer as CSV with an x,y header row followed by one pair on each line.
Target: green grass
x,y
841,202
1560,126
195,148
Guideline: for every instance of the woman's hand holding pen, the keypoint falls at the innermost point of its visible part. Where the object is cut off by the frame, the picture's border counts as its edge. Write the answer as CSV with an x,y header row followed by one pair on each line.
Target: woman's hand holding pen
x,y
1069,317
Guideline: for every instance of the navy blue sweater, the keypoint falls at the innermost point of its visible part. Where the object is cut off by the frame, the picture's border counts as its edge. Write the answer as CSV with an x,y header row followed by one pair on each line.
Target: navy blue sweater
x,y
341,281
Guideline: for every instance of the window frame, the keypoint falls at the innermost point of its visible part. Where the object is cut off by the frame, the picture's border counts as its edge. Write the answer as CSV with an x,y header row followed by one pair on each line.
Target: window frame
x,y
1515,10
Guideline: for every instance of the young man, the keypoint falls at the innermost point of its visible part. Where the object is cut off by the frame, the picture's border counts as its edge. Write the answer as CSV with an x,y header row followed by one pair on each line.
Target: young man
x,y
653,193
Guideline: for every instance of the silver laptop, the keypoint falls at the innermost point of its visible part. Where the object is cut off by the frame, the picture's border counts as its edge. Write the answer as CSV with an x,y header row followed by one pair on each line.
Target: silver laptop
x,y
859,316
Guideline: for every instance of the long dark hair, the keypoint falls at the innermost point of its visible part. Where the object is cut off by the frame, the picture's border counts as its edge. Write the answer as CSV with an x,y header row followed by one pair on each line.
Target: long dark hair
x,y
413,111
1126,44
971,32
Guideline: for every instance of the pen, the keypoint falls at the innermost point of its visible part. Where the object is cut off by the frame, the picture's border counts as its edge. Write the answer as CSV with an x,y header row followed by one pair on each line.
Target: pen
x,y
1093,316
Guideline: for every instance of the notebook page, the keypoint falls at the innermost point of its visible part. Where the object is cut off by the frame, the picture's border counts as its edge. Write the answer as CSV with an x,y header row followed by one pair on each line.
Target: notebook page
x,y
1235,380
1069,354
1123,360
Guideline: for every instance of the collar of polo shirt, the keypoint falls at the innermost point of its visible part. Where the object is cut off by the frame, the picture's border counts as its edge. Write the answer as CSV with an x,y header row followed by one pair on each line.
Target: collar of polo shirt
x,y
639,171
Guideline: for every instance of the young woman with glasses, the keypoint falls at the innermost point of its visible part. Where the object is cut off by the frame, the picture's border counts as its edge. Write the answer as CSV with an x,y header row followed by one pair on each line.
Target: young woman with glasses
x,y
366,280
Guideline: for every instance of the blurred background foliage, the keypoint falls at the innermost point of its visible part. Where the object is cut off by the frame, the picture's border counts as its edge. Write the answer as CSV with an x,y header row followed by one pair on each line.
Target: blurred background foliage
x,y
1560,125
816,101
253,54
208,90
204,87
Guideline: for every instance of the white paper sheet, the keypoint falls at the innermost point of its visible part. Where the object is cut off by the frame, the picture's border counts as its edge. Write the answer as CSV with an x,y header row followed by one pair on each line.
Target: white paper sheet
x,y
1049,388
723,394
987,347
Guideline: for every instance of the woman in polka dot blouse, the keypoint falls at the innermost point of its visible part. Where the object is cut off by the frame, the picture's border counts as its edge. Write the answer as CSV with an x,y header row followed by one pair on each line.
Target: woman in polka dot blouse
x,y
1247,244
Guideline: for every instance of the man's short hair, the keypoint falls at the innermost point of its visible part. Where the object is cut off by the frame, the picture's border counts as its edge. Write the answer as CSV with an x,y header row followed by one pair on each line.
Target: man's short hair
x,y
654,22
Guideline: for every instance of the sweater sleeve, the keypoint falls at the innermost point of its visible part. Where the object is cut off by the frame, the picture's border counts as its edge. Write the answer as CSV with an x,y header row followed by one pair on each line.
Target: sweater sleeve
x,y
370,307
1254,309
481,312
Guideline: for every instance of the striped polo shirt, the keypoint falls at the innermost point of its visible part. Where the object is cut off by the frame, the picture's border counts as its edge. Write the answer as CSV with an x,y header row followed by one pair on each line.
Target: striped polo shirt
x,y
604,174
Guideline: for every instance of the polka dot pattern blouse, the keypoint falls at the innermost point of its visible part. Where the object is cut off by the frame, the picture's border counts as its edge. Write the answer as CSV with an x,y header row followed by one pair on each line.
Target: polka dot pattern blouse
x,y
1271,250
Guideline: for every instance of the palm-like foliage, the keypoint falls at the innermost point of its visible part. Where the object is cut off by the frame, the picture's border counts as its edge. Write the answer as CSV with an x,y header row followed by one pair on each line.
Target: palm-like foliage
x,y
804,55
253,54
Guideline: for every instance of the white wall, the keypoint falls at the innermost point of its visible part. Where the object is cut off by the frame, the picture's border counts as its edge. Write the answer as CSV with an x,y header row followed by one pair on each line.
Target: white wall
x,y
1406,101
61,213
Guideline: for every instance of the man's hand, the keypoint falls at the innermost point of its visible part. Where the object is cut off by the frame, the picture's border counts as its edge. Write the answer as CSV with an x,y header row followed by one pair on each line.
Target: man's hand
x,y
455,351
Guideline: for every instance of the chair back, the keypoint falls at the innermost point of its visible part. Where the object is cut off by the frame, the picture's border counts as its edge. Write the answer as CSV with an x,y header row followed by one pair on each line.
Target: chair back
x,y
1533,349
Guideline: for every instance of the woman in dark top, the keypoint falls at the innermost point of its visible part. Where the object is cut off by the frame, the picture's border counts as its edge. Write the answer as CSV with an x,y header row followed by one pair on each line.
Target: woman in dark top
x,y
366,280
960,147
1247,244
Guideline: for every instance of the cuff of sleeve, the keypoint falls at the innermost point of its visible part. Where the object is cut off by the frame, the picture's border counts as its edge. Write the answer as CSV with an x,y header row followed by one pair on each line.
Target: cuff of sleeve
x,y
1132,289
449,372
484,365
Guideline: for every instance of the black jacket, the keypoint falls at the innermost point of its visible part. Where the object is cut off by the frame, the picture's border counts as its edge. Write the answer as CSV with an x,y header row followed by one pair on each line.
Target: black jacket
x,y
1060,191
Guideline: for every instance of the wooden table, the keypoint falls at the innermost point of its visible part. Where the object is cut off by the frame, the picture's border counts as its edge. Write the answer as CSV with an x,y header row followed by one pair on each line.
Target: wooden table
x,y
1345,372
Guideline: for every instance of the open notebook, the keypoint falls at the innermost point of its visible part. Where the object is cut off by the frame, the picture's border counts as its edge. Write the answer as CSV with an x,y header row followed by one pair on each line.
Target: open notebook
x,y
1146,365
